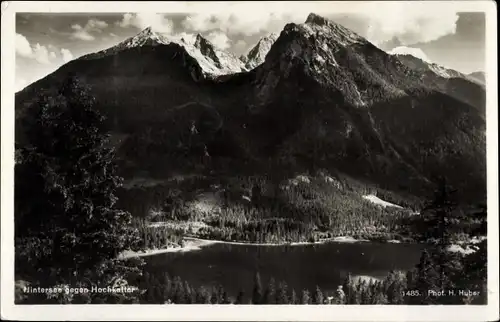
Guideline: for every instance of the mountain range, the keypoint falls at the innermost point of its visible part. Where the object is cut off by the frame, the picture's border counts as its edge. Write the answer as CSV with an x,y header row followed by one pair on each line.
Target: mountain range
x,y
316,96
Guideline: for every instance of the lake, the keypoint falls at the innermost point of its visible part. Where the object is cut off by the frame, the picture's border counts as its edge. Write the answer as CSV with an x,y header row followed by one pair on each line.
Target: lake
x,y
302,267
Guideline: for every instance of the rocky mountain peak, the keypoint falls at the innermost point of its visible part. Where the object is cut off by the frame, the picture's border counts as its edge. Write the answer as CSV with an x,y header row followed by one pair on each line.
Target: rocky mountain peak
x,y
200,41
271,37
207,49
146,37
146,32
313,18
323,52
257,54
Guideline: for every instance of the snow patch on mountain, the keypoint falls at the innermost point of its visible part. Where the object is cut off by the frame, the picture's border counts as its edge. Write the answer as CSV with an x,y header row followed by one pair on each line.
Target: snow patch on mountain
x,y
444,72
376,200
467,250
212,60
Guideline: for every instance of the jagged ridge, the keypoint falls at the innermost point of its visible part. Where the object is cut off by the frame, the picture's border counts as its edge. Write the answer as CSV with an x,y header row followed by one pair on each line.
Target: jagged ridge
x,y
422,66
212,61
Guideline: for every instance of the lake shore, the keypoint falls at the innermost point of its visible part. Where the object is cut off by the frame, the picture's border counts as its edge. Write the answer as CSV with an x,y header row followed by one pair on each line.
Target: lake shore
x,y
195,244
339,239
192,243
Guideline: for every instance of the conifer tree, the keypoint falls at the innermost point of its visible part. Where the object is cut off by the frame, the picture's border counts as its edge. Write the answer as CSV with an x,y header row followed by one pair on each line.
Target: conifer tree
x,y
188,293
348,289
366,296
239,298
340,297
305,297
395,293
150,296
293,298
159,294
225,298
318,296
203,296
438,215
379,298
282,294
167,285
221,295
178,295
393,286
67,227
270,293
257,290
476,266
256,195
424,279
443,269
214,298
145,280
359,290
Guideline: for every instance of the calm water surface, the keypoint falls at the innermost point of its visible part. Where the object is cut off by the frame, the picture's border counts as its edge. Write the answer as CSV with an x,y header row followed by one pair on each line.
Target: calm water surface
x,y
302,267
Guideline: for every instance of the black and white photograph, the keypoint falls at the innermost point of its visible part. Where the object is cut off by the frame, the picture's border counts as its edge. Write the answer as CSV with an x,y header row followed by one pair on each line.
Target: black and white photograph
x,y
313,155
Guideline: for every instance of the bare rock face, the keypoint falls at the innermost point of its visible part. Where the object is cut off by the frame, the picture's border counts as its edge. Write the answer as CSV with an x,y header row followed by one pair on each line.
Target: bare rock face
x,y
257,54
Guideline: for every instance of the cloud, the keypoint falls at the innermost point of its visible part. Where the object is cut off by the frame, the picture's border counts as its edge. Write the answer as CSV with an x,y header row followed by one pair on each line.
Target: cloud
x,y
37,52
158,22
409,22
188,37
219,39
66,55
112,34
240,46
96,25
244,20
81,34
415,52
85,32
23,47
41,54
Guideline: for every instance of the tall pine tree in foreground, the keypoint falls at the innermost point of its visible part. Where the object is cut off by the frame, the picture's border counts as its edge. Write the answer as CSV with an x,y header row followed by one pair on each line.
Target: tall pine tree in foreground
x,y
440,268
67,228
438,216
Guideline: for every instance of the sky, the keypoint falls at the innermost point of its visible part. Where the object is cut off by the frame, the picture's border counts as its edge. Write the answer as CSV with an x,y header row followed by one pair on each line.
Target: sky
x,y
46,41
